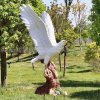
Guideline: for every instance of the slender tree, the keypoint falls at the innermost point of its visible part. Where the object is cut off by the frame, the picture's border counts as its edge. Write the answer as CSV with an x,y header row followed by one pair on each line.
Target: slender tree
x,y
79,13
68,5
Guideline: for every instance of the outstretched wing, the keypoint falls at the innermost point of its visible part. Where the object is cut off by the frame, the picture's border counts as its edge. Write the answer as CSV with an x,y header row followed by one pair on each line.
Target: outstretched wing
x,y
36,28
49,26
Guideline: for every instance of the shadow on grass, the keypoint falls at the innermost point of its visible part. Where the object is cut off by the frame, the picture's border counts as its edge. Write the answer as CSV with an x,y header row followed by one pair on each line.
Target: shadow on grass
x,y
78,69
10,57
24,59
87,95
41,83
71,83
28,57
85,71
73,66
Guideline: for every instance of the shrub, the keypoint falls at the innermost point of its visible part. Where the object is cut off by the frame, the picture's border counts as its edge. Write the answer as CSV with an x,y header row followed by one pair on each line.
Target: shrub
x,y
93,55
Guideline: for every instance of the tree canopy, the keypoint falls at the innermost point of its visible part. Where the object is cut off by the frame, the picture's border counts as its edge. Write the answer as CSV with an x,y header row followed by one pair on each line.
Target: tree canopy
x,y
62,25
13,32
95,20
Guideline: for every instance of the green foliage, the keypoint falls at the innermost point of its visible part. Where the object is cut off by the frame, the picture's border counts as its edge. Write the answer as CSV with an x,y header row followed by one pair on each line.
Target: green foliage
x,y
79,12
10,21
93,55
38,5
95,19
69,35
85,35
58,16
13,33
61,24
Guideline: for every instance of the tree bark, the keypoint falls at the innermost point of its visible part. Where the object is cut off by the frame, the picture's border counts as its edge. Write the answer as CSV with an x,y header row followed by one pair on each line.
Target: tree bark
x,y
65,51
3,68
68,4
60,62
52,82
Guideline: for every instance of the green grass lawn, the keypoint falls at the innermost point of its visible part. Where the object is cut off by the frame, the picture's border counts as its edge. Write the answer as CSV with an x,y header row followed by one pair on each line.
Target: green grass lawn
x,y
81,83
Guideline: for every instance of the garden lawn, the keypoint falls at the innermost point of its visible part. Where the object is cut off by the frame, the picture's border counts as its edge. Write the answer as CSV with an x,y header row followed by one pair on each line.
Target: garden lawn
x,y
81,83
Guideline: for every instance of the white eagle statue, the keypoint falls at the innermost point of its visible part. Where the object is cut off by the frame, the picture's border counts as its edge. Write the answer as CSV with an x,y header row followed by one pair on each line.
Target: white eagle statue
x,y
42,33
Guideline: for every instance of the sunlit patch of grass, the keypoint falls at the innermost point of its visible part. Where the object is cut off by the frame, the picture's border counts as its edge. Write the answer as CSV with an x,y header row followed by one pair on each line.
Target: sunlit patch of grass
x,y
80,81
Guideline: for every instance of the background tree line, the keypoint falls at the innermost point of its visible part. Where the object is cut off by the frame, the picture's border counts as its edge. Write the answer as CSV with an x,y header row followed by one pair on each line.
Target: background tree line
x,y
14,35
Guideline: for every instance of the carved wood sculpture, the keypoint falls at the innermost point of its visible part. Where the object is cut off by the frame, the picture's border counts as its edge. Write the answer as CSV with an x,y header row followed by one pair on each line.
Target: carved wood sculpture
x,y
52,81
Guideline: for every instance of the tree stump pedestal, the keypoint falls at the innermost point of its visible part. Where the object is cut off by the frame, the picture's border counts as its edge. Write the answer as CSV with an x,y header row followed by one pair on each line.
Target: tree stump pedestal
x,y
52,81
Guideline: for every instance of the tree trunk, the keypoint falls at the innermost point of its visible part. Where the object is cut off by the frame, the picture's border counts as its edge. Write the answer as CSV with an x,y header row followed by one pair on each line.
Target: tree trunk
x,y
64,61
18,54
68,5
3,68
52,82
60,62
80,42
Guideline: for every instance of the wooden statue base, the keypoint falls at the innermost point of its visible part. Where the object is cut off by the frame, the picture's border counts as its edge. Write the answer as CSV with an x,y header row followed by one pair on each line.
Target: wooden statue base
x,y
52,81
